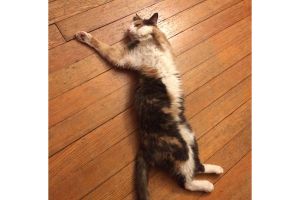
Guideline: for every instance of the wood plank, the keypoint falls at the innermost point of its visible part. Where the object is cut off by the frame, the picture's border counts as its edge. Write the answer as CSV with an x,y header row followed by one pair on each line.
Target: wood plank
x,y
102,138
80,182
90,175
215,87
95,115
69,77
54,37
87,120
210,26
62,9
203,10
84,95
101,15
77,99
75,74
236,184
239,31
231,126
227,157
73,51
90,118
207,118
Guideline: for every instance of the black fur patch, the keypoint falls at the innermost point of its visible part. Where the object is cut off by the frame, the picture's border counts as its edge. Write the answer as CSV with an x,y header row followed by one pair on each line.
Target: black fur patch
x,y
151,98
161,142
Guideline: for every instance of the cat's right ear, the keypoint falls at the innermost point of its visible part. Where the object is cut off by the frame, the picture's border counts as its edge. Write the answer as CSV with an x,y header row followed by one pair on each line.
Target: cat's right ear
x,y
136,17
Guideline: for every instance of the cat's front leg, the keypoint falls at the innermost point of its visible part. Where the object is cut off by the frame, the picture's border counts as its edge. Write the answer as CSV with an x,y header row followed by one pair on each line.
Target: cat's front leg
x,y
116,55
84,37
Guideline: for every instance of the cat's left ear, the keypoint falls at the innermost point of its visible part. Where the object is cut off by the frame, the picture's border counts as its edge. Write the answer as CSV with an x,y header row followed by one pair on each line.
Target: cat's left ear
x,y
136,17
153,19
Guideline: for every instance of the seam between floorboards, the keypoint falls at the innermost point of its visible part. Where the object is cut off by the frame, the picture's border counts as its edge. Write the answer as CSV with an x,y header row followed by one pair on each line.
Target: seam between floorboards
x,y
243,129
103,25
193,45
190,93
246,154
218,150
203,20
197,140
158,23
242,39
203,107
190,118
80,12
122,38
117,19
154,175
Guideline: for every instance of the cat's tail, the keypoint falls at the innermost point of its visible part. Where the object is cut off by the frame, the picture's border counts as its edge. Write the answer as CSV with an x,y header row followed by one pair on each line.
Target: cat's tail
x,y
141,177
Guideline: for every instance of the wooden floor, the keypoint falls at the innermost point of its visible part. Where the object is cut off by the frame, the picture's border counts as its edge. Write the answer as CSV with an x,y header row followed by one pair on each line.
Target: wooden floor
x,y
92,126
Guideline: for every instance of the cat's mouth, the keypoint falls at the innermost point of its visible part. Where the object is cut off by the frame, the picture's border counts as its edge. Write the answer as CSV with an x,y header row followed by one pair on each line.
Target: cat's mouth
x,y
132,35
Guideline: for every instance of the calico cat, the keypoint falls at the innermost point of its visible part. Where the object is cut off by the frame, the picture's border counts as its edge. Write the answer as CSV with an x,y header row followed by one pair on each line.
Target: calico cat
x,y
166,138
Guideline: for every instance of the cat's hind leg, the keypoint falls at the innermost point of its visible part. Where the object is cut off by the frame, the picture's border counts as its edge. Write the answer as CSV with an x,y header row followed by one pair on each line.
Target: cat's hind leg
x,y
204,168
185,176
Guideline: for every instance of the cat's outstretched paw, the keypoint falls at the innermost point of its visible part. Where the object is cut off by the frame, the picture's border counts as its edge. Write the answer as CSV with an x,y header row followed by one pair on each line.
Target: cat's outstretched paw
x,y
83,37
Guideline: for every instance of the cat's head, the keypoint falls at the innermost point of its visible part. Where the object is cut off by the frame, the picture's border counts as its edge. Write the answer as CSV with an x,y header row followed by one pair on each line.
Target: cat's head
x,y
141,29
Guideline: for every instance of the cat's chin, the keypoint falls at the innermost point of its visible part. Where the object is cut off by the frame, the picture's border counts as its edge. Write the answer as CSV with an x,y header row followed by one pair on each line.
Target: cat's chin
x,y
137,38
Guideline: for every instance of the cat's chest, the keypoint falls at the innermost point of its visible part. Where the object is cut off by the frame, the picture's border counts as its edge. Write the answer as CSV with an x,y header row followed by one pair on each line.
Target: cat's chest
x,y
151,56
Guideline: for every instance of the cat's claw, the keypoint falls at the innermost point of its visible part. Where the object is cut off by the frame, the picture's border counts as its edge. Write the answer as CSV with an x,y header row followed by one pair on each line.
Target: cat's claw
x,y
83,36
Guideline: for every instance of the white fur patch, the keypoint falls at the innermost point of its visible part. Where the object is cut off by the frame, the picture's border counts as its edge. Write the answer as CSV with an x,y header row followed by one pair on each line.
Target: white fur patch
x,y
187,168
186,134
213,169
196,185
144,30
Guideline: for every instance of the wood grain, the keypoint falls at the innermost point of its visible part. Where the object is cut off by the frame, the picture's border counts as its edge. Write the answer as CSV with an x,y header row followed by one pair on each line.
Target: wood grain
x,y
237,179
75,74
74,184
124,124
73,51
233,138
93,116
62,9
92,123
54,37
67,104
92,65
241,141
100,16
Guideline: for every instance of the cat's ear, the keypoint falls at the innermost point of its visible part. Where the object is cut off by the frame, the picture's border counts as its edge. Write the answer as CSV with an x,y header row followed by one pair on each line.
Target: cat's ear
x,y
153,19
136,17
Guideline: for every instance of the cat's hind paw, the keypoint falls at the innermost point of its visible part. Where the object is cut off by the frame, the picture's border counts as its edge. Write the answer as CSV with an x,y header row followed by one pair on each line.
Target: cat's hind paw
x,y
83,37
215,169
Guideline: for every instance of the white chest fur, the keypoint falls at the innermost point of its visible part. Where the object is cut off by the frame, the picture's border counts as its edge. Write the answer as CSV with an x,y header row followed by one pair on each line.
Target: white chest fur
x,y
150,55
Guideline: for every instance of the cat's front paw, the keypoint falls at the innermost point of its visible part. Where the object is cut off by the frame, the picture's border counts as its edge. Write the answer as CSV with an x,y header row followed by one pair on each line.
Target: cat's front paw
x,y
83,37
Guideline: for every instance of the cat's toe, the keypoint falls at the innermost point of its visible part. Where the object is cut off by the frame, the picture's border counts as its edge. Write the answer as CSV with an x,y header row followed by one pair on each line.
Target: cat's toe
x,y
83,36
208,187
219,170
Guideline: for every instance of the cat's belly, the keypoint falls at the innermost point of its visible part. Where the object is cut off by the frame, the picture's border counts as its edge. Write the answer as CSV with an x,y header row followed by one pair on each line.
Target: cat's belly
x,y
151,101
